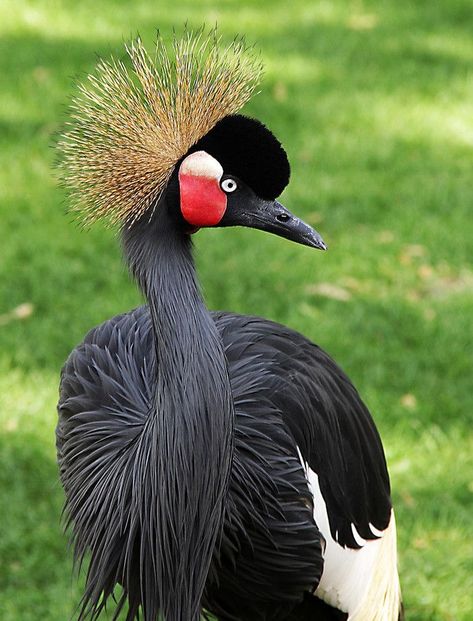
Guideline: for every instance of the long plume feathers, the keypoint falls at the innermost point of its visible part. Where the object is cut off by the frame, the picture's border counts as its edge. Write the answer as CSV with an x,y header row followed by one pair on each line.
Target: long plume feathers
x,y
129,127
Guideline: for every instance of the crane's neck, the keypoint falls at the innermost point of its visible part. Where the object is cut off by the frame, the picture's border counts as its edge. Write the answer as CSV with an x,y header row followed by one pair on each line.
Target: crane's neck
x,y
190,424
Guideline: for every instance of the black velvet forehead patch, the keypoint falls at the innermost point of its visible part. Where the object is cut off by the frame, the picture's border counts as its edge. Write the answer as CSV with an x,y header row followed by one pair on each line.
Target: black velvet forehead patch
x,y
247,149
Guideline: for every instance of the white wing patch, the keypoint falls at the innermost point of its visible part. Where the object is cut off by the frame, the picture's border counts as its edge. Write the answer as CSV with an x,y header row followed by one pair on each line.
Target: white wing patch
x,y
362,582
357,537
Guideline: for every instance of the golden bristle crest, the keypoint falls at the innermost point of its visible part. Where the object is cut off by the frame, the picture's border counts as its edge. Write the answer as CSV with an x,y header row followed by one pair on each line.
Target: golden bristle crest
x,y
129,127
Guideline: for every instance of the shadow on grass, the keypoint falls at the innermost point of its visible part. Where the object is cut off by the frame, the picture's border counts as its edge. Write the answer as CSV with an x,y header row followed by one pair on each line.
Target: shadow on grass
x,y
36,564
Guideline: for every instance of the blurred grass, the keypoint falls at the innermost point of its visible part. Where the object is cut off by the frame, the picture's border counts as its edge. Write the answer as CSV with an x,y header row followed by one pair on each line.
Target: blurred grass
x,y
373,101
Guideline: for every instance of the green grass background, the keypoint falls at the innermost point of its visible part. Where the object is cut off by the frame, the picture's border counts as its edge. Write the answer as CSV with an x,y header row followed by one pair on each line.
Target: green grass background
x,y
374,103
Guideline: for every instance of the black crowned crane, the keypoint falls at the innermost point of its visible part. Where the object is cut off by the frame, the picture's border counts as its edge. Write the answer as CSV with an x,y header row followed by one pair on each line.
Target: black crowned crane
x,y
212,462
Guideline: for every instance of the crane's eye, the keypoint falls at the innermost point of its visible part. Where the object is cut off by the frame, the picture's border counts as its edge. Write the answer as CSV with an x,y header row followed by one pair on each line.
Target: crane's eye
x,y
229,185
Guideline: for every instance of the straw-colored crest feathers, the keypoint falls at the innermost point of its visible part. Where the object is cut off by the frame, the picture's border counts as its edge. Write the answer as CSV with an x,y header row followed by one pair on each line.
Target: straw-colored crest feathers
x,y
129,127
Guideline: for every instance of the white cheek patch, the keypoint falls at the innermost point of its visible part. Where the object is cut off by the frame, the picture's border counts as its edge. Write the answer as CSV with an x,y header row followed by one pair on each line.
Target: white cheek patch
x,y
201,164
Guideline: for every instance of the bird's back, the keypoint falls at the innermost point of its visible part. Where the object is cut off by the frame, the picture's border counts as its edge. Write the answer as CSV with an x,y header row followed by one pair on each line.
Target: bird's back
x,y
340,451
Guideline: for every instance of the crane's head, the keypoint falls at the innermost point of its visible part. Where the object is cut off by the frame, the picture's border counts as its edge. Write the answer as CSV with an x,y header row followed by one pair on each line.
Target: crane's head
x,y
232,177
136,137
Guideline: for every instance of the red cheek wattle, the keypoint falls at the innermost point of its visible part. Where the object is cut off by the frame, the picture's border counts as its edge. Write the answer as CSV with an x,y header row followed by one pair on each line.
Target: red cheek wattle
x,y
203,203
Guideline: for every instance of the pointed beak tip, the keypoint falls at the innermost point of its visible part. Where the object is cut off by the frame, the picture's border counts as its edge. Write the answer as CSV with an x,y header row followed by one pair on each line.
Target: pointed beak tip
x,y
318,243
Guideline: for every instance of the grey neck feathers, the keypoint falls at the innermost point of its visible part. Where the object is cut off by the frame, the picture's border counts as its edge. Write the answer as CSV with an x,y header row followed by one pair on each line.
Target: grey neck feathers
x,y
188,435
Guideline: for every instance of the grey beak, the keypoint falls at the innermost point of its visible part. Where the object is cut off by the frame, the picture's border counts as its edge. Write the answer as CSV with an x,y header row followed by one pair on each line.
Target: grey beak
x,y
273,217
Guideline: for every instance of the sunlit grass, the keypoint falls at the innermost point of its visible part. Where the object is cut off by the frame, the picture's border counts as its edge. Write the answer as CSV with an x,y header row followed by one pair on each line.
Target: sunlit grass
x,y
374,104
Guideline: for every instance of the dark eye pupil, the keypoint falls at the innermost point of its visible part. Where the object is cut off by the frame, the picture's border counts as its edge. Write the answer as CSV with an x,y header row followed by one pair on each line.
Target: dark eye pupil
x,y
282,217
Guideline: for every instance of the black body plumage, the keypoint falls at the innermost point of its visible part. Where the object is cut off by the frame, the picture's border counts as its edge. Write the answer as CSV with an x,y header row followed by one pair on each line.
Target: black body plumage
x,y
282,387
